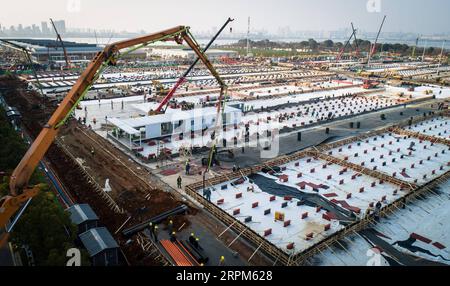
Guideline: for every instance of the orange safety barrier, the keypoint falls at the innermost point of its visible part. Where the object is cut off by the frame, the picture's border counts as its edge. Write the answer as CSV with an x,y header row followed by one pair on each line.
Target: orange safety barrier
x,y
177,255
181,246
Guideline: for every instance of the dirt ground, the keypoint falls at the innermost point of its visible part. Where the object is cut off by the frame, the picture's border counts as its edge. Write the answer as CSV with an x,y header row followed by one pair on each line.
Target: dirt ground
x,y
131,187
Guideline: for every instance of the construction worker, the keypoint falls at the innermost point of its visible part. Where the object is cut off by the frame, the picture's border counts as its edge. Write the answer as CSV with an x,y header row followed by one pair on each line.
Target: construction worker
x,y
377,210
188,167
403,201
173,236
179,180
196,243
222,261
192,238
368,211
92,151
155,232
170,226
152,230
207,194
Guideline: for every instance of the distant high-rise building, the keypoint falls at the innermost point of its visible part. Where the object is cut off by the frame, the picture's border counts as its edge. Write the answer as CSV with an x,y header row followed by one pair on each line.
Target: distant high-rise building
x,y
44,28
35,29
60,26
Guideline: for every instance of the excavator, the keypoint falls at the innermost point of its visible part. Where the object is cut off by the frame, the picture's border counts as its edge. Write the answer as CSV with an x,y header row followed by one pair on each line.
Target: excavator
x,y
20,192
159,88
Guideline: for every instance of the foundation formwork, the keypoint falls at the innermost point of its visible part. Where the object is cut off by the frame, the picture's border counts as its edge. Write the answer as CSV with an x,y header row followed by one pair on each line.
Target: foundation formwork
x,y
412,192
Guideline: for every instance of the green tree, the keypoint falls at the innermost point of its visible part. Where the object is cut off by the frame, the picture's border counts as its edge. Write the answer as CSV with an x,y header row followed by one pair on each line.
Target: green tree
x,y
12,146
46,229
328,43
312,44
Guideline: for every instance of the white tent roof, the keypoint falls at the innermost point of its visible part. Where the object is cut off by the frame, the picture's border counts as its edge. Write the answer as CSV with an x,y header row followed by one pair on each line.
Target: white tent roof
x,y
124,126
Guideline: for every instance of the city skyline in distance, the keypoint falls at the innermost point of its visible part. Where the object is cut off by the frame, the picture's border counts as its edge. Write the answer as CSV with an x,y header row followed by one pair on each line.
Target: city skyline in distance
x,y
204,16
45,29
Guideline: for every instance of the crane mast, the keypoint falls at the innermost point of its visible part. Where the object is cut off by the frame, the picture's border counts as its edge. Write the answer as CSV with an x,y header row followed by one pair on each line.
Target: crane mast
x,y
373,48
58,36
413,53
345,46
356,41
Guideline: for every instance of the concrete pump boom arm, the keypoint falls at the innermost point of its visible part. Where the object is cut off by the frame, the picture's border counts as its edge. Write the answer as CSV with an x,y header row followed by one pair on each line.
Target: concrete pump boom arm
x,y
18,185
22,173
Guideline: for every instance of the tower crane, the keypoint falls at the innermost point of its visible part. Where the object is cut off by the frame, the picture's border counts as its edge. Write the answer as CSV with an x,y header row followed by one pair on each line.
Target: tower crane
x,y
374,46
356,41
345,46
58,36
413,53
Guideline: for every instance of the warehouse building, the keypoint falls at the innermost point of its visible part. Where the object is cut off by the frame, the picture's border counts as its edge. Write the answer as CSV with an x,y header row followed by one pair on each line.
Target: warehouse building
x,y
50,51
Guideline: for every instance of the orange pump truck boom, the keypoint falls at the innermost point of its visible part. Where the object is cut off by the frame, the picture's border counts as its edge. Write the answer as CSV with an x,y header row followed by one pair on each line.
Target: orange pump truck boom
x,y
20,191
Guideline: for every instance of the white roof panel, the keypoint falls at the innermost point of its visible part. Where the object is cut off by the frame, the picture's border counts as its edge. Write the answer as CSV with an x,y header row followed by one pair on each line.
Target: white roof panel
x,y
124,126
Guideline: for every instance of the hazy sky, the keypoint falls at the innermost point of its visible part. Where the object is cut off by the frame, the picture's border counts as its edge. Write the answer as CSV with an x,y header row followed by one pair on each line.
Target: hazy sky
x,y
420,16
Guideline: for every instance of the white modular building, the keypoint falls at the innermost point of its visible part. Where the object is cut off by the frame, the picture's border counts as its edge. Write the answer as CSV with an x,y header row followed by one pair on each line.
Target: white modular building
x,y
132,132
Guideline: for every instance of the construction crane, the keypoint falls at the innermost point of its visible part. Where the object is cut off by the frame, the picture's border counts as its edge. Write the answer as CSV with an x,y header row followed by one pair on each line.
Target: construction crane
x,y
58,36
19,190
374,46
413,53
182,79
159,87
30,62
356,41
345,46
